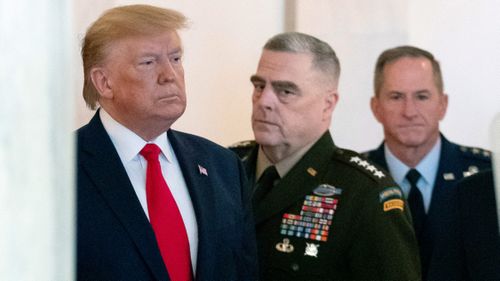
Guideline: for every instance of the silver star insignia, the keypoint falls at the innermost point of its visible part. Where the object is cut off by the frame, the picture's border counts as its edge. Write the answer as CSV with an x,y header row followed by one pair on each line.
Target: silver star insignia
x,y
363,163
371,168
379,174
355,159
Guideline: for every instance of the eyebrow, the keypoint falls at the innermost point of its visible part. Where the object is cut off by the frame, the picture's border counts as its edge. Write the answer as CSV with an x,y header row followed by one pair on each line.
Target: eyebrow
x,y
176,51
285,85
276,84
157,54
255,78
422,92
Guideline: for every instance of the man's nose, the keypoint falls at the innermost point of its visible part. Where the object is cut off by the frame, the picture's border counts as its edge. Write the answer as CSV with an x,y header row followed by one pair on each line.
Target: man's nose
x,y
264,98
410,107
167,72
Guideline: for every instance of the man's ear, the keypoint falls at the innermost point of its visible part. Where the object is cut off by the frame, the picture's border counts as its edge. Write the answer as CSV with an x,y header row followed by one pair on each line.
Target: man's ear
x,y
101,82
331,100
374,104
443,105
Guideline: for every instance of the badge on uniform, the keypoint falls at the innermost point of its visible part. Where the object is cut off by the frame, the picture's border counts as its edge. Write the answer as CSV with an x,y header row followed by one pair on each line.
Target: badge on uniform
x,y
285,246
316,214
327,190
311,250
448,176
472,170
392,198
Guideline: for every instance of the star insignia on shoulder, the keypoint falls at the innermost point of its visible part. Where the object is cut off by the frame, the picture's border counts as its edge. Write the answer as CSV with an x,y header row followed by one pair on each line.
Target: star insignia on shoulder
x,y
355,159
379,174
369,167
363,164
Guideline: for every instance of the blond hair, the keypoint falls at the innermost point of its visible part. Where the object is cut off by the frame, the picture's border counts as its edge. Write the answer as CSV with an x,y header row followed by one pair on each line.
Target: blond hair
x,y
118,23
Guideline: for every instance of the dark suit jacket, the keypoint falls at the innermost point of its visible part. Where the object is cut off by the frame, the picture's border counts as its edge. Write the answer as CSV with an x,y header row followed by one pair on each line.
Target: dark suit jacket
x,y
115,240
469,247
454,160
363,239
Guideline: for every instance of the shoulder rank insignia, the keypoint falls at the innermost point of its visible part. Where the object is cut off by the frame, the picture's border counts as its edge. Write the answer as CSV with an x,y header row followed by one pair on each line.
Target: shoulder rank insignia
x,y
365,164
476,151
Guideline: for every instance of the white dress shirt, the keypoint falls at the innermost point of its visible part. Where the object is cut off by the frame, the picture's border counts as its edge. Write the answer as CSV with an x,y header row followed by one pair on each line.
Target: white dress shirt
x,y
128,145
427,168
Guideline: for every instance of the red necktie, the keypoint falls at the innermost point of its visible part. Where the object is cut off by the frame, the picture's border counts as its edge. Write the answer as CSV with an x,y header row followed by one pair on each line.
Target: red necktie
x,y
166,219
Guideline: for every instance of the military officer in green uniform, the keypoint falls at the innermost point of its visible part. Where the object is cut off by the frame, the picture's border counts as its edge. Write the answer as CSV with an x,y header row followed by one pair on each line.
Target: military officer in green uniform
x,y
321,212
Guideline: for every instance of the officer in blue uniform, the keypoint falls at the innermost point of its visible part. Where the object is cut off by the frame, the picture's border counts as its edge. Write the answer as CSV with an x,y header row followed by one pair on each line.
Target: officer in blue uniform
x,y
409,102
321,212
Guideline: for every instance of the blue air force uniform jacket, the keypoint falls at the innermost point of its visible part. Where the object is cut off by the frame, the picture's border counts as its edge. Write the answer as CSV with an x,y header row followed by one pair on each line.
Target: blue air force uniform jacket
x,y
455,163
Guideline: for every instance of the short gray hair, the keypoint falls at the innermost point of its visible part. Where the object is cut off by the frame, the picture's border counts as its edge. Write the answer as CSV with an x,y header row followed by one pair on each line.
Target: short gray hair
x,y
324,57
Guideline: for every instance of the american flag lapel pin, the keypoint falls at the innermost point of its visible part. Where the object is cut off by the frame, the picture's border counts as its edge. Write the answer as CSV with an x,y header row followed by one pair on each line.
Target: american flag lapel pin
x,y
202,170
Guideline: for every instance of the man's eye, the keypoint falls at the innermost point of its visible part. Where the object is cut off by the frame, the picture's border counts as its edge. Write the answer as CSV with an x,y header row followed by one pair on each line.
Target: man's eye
x,y
147,62
395,97
422,97
258,87
285,92
177,59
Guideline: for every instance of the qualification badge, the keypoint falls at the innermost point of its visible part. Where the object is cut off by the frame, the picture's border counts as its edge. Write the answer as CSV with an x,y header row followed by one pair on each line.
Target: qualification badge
x,y
311,250
285,246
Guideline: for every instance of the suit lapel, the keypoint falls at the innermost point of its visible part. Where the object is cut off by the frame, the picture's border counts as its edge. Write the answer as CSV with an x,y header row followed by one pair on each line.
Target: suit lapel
x,y
299,181
101,162
192,161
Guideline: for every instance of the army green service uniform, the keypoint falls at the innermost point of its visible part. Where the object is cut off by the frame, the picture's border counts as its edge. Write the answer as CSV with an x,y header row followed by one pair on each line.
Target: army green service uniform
x,y
333,216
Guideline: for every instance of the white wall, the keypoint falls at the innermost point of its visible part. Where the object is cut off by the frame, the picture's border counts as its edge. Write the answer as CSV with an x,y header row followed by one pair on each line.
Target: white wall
x,y
222,48
464,35
36,144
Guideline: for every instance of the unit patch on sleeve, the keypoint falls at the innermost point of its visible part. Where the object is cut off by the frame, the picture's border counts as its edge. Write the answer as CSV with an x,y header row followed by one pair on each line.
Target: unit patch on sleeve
x,y
392,198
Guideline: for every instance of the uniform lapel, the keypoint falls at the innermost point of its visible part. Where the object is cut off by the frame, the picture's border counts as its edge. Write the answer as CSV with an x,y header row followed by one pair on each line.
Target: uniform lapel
x,y
101,162
192,161
378,156
448,158
299,181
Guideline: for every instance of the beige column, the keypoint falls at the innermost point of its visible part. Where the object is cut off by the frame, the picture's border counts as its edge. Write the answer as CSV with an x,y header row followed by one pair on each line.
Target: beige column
x,y
37,190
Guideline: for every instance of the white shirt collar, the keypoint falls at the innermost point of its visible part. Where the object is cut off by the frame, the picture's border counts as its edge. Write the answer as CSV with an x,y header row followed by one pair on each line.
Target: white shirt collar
x,y
127,143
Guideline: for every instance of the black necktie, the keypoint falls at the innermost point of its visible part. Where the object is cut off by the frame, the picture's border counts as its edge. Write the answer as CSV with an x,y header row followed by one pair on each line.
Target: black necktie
x,y
266,181
416,202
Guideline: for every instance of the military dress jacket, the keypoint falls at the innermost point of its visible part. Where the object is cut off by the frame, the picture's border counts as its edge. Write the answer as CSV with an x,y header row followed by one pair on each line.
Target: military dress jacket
x,y
333,216
455,163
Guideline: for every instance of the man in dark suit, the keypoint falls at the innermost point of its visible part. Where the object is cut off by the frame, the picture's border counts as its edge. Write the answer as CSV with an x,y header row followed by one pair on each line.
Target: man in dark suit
x,y
321,212
153,203
469,240
478,225
409,102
